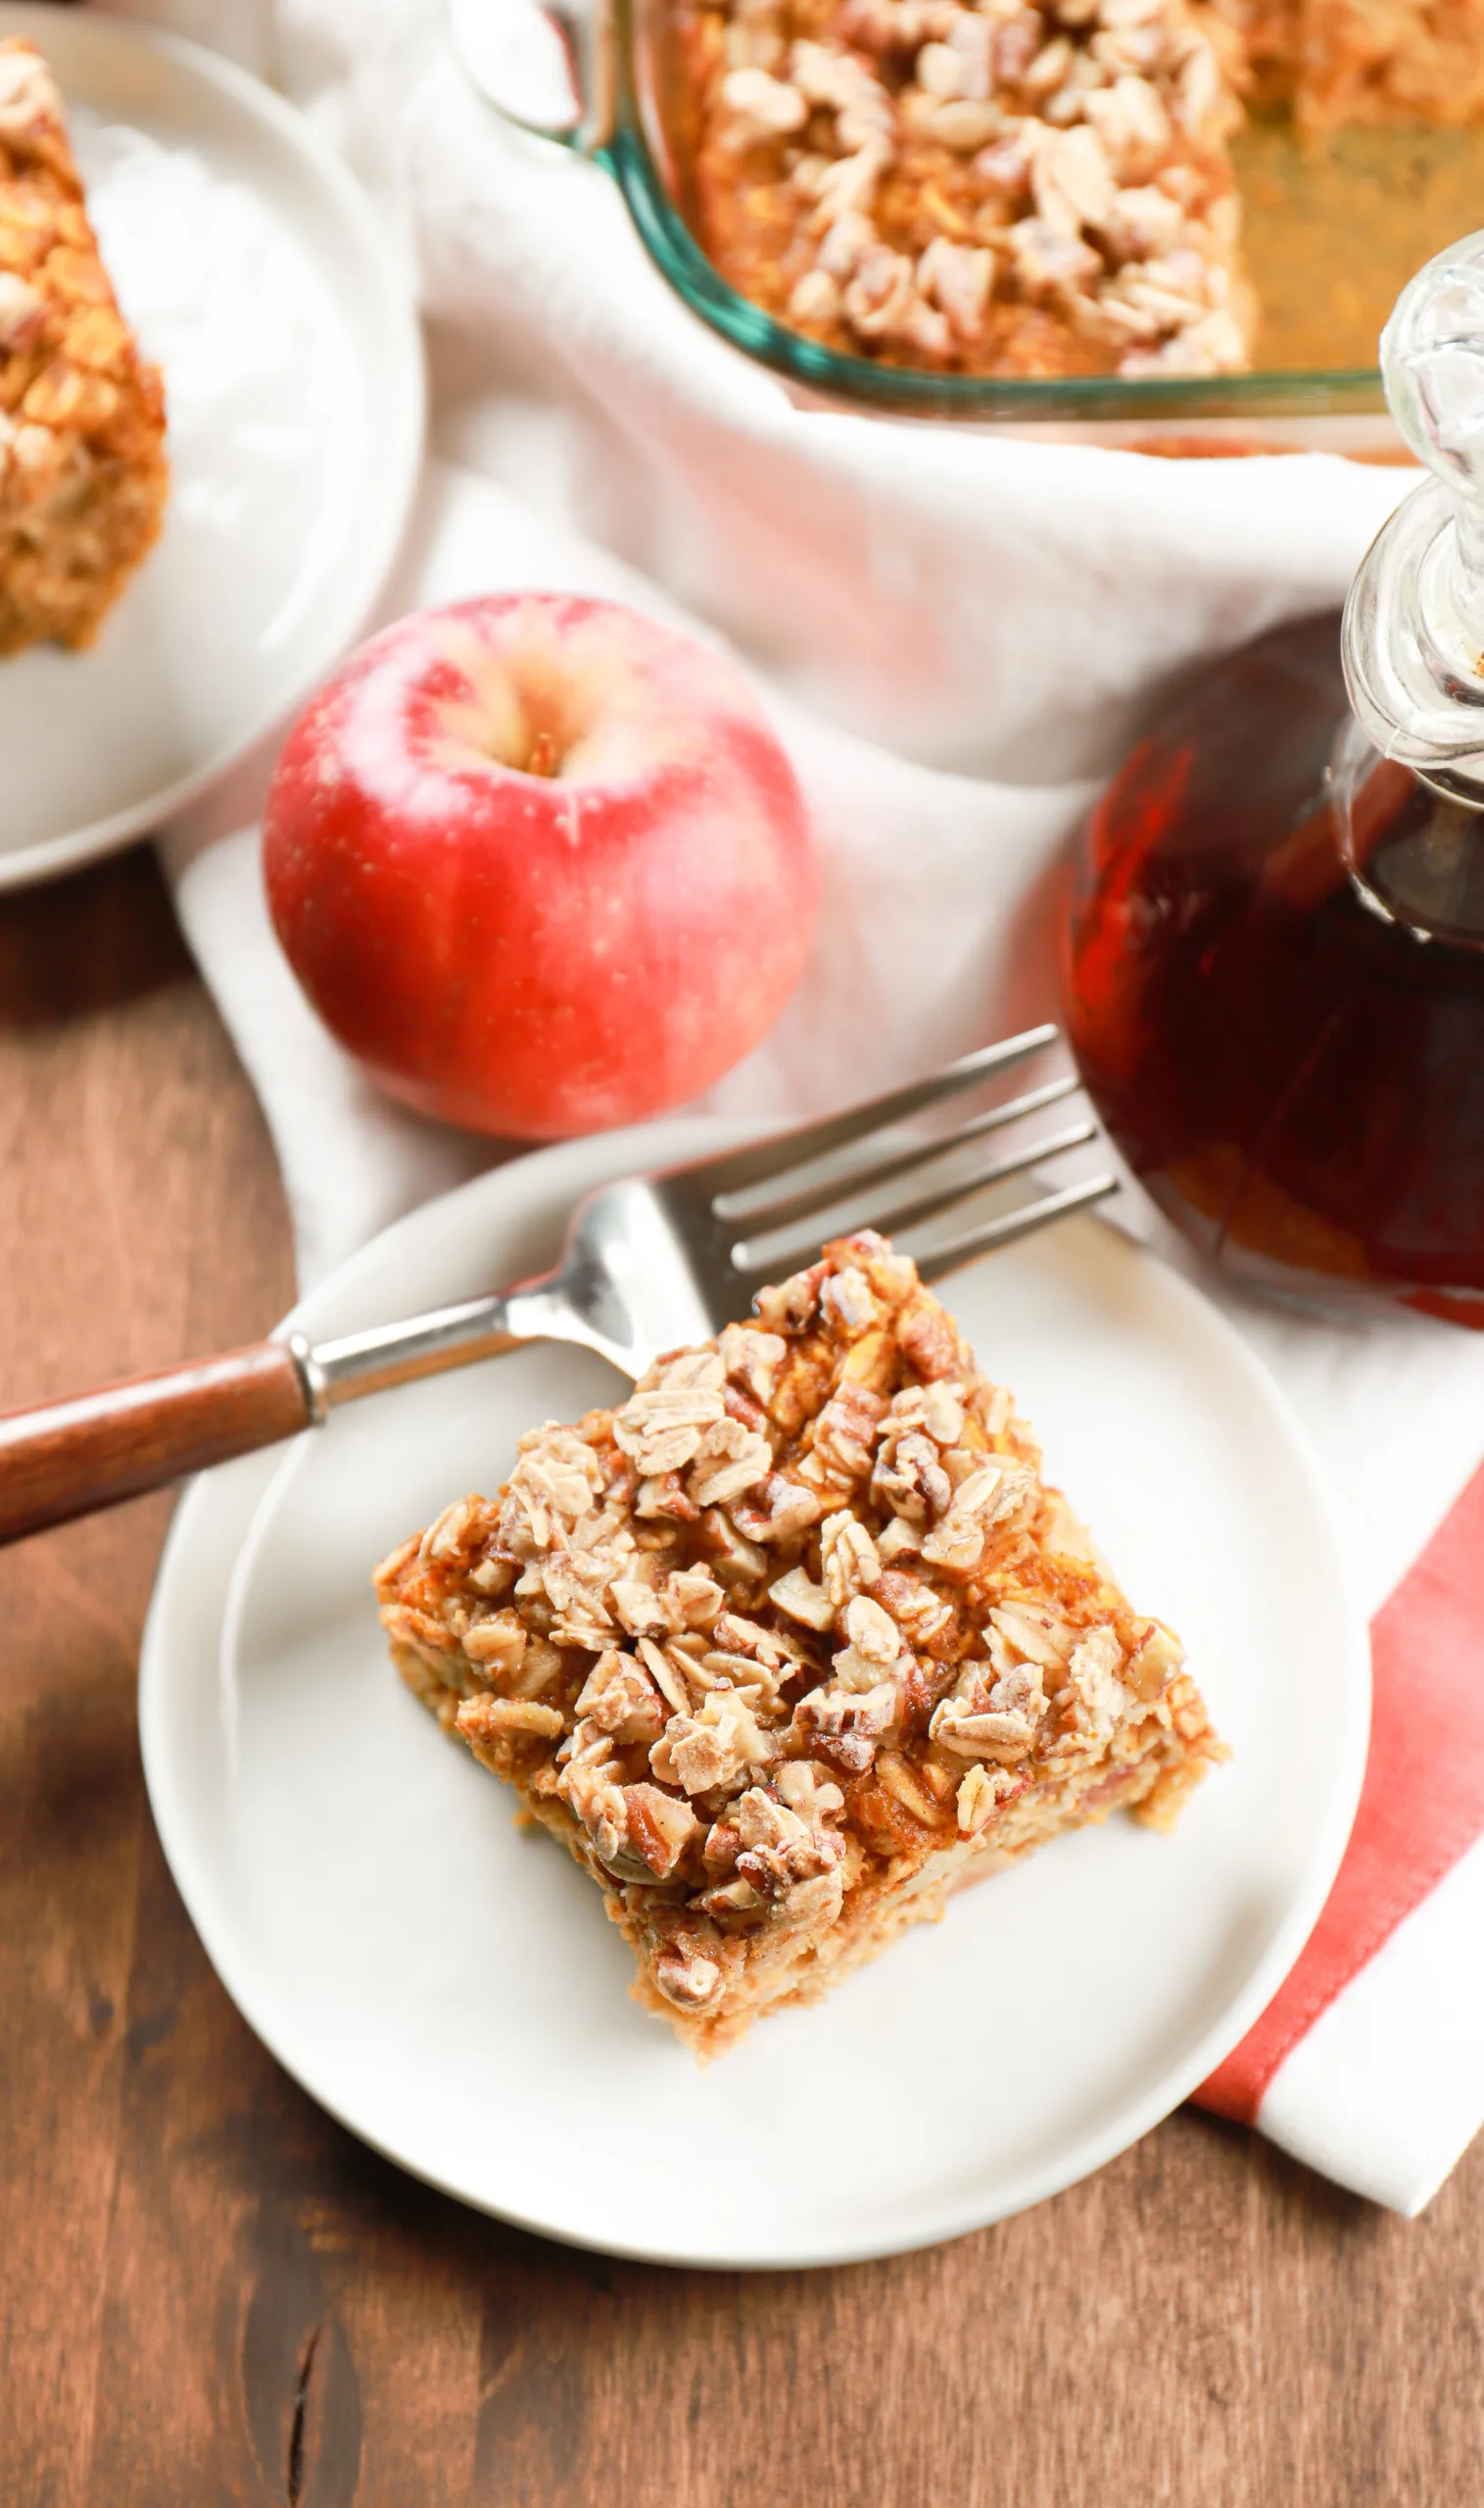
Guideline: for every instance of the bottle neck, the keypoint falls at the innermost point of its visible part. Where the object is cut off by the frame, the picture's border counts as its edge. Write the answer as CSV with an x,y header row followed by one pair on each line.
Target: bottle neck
x,y
1414,855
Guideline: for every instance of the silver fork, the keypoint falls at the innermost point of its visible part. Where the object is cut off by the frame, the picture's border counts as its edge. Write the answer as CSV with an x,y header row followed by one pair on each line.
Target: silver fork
x,y
650,1263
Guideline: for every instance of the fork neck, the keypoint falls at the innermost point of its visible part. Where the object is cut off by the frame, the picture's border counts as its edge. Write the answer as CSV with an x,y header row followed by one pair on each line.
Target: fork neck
x,y
449,1336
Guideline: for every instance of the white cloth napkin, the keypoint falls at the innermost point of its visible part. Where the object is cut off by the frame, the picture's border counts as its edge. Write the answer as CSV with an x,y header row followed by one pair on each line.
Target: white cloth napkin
x,y
956,635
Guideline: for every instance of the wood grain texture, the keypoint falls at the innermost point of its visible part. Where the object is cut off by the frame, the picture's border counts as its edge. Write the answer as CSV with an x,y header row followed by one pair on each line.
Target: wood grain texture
x,y
210,2294
61,1460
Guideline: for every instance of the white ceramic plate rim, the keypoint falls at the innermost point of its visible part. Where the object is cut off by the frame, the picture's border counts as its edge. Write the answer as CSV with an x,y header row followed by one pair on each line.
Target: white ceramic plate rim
x,y
573,1168
372,551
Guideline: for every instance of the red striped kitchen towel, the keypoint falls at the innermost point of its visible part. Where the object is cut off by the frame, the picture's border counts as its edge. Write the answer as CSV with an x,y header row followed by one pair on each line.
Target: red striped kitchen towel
x,y
1333,2070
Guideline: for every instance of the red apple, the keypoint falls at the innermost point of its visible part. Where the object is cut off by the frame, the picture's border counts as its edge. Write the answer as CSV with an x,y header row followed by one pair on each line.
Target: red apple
x,y
540,864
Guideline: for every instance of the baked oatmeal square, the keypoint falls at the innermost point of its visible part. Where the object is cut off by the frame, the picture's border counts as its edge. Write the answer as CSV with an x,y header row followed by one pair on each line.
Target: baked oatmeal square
x,y
793,1643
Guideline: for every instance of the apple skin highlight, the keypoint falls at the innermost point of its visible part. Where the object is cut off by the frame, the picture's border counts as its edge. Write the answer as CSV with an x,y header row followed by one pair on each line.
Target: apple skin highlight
x,y
540,864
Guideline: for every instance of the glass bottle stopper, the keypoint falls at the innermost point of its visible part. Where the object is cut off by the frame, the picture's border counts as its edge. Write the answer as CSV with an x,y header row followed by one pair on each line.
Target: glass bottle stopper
x,y
1413,638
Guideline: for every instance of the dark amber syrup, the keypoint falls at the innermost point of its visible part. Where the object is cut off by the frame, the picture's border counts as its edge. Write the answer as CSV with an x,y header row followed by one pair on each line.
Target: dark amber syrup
x,y
1283,1025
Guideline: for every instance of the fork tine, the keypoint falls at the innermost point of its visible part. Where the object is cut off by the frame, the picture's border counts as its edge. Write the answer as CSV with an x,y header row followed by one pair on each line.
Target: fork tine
x,y
1021,1222
761,1159
926,1206
771,1215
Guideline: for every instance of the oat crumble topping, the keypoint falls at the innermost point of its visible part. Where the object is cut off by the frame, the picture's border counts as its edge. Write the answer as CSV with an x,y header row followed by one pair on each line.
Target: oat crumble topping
x,y
1339,62
1006,189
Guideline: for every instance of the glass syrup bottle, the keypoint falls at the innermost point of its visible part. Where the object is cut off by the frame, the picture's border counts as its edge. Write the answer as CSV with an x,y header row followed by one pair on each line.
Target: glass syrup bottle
x,y
1274,965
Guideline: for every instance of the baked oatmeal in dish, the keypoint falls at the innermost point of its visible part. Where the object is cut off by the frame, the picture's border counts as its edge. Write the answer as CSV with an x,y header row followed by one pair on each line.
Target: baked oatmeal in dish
x,y
1041,189
1005,190
82,469
793,1643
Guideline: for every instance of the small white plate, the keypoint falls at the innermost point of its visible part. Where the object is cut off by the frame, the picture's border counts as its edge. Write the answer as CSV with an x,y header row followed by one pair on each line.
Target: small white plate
x,y
447,1985
257,277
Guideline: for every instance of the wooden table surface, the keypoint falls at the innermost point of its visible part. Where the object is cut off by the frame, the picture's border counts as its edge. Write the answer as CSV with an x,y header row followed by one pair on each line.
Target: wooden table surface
x,y
208,2293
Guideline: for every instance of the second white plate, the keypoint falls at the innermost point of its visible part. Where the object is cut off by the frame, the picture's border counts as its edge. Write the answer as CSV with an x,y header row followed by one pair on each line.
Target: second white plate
x,y
258,279
447,1985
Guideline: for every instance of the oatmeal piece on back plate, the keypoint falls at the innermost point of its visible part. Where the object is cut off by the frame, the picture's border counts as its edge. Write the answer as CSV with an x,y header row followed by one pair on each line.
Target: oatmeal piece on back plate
x,y
83,470
1010,189
793,1643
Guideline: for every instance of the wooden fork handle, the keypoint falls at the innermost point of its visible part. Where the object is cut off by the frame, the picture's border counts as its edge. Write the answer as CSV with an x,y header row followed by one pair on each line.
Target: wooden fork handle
x,y
71,1457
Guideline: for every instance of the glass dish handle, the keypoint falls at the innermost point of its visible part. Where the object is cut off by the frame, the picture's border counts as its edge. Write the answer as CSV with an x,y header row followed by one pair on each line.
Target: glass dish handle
x,y
545,65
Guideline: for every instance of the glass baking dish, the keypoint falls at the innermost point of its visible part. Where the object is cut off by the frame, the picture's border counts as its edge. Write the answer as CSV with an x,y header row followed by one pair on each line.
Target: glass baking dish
x,y
1332,229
